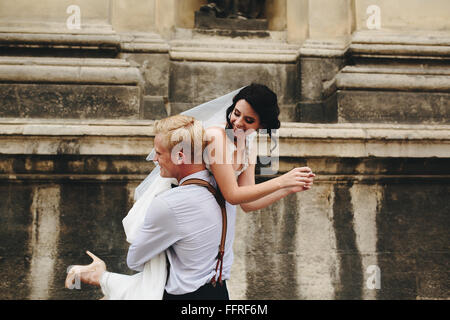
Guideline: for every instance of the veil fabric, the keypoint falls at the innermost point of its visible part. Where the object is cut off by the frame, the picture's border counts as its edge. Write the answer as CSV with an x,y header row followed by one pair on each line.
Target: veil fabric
x,y
149,284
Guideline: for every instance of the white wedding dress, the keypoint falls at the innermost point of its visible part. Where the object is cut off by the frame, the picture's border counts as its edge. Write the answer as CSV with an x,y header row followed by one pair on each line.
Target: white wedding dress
x,y
149,284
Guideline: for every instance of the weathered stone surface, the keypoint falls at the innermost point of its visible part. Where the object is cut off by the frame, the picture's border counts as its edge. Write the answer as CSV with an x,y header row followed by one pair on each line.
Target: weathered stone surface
x,y
68,70
350,264
428,77
296,141
89,218
61,39
408,215
314,72
393,107
243,49
333,248
15,252
193,83
395,44
317,95
269,272
155,107
69,101
312,245
154,68
376,201
324,111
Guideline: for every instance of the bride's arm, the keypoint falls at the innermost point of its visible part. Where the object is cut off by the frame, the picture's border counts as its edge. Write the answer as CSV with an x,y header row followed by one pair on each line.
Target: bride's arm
x,y
224,174
248,178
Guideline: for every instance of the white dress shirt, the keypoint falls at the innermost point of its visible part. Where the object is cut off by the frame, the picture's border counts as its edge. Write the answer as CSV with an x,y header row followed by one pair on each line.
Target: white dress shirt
x,y
187,221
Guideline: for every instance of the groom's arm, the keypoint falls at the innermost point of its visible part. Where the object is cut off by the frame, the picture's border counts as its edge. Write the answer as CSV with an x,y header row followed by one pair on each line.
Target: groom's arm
x,y
157,234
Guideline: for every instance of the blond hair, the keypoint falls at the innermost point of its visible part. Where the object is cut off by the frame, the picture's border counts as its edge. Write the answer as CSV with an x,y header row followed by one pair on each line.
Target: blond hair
x,y
184,132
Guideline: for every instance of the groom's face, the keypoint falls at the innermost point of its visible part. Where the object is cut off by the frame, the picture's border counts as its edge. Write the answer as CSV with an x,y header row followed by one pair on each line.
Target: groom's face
x,y
163,157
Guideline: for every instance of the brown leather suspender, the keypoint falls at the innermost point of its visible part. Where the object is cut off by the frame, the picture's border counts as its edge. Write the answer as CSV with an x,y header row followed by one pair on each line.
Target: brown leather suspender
x,y
221,201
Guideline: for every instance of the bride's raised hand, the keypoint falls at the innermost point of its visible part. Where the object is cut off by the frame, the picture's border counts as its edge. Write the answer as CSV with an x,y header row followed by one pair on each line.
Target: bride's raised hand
x,y
298,179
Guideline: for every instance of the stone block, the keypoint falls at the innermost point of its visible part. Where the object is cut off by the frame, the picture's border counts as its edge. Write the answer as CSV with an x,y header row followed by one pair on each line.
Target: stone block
x,y
15,219
14,284
273,277
15,252
69,101
102,232
398,286
155,107
318,112
393,107
193,83
317,98
433,274
154,68
316,71
350,286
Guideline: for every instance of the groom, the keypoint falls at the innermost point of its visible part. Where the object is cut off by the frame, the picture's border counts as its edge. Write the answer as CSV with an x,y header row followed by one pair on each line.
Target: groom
x,y
186,220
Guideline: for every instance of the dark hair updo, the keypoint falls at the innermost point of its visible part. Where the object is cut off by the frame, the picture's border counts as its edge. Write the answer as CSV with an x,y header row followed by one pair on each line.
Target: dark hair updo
x,y
263,101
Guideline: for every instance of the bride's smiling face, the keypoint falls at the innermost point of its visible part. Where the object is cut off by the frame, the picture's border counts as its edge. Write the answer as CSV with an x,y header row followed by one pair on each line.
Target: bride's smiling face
x,y
243,117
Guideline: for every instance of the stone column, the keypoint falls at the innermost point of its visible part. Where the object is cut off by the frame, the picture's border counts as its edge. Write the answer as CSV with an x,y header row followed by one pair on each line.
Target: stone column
x,y
297,20
134,15
321,57
336,24
165,11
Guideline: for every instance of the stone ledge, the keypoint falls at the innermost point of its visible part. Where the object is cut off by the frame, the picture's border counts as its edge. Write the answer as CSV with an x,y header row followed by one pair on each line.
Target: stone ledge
x,y
125,42
431,38
135,137
224,35
55,39
418,45
325,49
73,127
214,50
393,78
143,43
365,131
53,61
68,70
389,69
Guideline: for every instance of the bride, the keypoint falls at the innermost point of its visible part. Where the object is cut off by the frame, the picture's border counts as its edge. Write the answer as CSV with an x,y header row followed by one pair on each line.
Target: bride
x,y
232,122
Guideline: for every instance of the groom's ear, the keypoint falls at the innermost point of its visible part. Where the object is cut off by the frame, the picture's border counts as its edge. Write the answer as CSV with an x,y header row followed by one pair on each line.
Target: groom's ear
x,y
181,158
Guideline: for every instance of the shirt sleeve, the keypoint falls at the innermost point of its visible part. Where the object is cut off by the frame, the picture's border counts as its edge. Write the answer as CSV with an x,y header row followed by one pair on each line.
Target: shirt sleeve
x,y
158,233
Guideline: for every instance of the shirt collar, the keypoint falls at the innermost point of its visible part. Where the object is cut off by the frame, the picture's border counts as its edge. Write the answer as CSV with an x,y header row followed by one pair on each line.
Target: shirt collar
x,y
203,175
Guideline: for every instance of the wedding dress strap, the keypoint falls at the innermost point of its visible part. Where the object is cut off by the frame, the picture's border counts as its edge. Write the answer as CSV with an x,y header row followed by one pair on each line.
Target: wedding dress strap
x,y
221,201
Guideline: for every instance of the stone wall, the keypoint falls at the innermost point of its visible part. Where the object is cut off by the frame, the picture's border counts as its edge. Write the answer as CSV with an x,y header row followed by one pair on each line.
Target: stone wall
x,y
364,97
